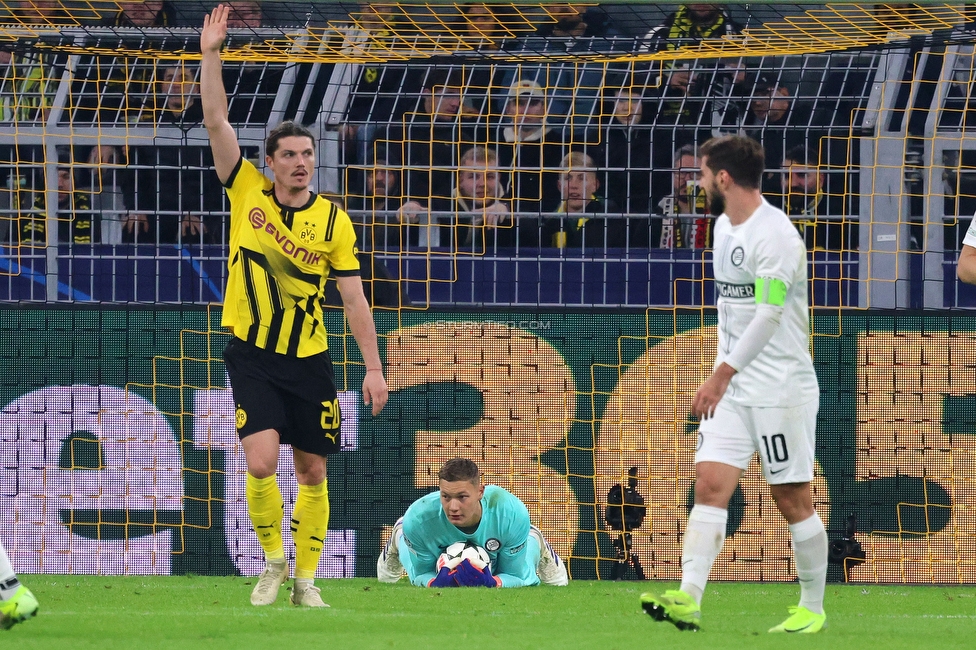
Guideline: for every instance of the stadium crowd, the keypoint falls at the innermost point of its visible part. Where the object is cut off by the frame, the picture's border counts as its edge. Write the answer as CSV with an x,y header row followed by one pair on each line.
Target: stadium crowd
x,y
470,156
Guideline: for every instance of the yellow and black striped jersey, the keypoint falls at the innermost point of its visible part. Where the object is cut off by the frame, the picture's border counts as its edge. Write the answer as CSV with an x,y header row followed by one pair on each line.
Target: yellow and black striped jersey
x,y
279,260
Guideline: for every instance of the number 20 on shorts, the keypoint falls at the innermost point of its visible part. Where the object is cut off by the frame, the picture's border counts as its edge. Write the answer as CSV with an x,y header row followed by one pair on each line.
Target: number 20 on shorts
x,y
331,420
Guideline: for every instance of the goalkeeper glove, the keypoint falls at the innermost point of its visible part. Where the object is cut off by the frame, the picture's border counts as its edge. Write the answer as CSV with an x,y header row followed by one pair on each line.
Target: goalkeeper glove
x,y
444,578
468,575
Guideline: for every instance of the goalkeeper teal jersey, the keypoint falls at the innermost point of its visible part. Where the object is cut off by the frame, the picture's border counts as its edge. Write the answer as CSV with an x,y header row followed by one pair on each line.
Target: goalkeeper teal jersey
x,y
503,532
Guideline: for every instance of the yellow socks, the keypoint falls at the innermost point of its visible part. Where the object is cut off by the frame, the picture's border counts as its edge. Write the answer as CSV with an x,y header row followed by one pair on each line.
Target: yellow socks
x,y
309,523
266,508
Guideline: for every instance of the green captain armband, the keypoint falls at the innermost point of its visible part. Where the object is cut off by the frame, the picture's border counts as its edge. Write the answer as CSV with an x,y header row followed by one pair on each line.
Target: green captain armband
x,y
770,291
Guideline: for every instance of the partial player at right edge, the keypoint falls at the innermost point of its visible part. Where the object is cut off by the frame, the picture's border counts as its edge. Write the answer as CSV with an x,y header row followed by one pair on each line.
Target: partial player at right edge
x,y
966,266
762,394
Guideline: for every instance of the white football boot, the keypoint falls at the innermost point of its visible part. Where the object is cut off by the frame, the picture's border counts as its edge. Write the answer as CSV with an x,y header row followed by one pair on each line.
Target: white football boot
x,y
269,582
551,569
388,566
306,594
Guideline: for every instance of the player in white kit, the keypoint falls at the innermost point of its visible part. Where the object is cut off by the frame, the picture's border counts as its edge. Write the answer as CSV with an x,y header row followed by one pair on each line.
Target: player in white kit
x,y
762,394
966,267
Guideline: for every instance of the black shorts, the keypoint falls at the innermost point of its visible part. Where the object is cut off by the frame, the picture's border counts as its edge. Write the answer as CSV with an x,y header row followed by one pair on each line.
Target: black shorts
x,y
294,396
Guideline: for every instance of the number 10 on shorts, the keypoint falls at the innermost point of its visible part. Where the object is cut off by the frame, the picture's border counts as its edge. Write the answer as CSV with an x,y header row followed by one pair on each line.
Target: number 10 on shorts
x,y
776,451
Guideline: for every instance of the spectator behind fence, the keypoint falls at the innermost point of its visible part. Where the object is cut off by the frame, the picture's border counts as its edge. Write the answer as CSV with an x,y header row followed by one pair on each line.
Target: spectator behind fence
x,y
480,213
687,26
173,186
39,12
374,200
690,24
115,89
484,28
105,180
113,183
244,14
9,205
686,223
626,141
775,122
377,87
770,105
148,13
30,79
580,228
429,140
73,214
178,96
818,213
21,171
112,90
690,93
532,150
574,86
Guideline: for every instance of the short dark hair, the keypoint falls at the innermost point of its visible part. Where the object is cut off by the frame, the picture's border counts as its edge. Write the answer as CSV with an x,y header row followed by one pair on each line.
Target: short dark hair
x,y
444,78
802,155
459,469
285,130
381,155
743,158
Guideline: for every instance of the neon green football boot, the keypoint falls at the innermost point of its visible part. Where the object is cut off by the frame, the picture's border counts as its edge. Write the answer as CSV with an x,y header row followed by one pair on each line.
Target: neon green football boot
x,y
18,608
673,606
802,621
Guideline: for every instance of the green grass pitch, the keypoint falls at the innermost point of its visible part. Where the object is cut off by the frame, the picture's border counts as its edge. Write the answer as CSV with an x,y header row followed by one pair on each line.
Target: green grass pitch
x,y
190,612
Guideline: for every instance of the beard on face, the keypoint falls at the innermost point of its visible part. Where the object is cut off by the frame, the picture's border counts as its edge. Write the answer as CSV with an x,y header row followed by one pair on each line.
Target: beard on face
x,y
716,201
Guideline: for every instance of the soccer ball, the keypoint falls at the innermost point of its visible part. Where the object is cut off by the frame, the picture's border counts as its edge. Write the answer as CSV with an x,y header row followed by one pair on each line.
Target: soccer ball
x,y
457,552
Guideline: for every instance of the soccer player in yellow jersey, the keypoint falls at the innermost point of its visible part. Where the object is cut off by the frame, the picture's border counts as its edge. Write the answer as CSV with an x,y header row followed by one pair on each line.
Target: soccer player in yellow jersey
x,y
284,242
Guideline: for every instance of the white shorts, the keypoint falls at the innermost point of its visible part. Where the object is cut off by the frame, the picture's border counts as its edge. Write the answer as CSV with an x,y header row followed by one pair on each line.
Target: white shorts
x,y
784,437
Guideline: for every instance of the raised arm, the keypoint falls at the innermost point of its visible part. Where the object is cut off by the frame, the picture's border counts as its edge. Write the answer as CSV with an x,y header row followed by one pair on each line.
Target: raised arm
x,y
223,139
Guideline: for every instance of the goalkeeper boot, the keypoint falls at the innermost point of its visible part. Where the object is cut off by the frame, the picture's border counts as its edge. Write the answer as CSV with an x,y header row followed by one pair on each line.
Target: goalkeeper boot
x,y
673,606
18,608
306,594
802,621
551,569
269,582
388,566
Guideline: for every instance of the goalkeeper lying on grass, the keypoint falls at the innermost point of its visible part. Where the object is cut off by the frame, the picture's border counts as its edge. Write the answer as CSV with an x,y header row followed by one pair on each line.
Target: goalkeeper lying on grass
x,y
463,510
